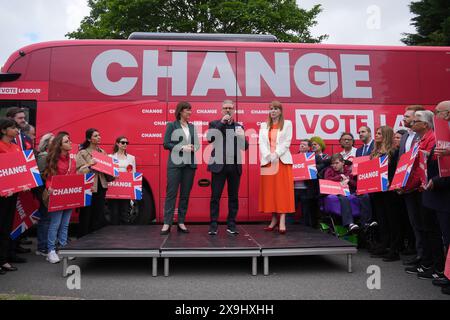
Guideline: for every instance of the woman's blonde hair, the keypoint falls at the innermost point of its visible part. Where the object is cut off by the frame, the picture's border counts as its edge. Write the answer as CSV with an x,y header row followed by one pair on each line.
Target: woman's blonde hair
x,y
385,146
276,104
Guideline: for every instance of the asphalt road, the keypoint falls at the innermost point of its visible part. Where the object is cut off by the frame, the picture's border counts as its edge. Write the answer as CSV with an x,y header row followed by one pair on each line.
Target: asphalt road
x,y
313,277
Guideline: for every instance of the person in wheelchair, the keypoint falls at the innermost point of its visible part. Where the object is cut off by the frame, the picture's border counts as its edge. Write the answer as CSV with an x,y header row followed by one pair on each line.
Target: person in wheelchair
x,y
339,171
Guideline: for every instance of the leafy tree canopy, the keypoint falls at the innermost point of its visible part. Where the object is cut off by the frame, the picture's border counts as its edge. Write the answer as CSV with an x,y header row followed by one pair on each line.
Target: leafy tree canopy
x,y
117,19
432,23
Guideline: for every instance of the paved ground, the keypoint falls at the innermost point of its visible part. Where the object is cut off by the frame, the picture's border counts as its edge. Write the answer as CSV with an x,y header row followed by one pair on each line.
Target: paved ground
x,y
220,278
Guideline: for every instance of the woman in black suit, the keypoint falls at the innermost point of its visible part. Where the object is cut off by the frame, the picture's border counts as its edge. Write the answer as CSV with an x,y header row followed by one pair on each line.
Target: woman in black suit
x,y
182,141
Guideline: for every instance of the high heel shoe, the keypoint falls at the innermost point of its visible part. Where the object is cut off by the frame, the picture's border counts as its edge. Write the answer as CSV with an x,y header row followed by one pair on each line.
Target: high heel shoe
x,y
165,232
282,231
180,229
269,229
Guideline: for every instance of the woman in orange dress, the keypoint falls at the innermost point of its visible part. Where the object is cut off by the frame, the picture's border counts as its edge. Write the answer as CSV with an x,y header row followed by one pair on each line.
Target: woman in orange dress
x,y
276,191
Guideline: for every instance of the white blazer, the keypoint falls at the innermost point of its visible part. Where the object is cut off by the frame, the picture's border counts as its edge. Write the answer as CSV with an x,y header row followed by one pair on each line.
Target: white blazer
x,y
123,164
284,138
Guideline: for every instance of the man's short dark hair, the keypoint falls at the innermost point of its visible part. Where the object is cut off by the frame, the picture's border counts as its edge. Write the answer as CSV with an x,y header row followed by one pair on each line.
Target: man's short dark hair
x,y
307,140
415,107
11,112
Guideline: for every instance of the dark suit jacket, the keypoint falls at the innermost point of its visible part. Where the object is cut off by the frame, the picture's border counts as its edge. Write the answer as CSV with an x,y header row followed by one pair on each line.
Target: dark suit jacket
x,y
368,152
402,148
27,143
216,165
439,197
175,140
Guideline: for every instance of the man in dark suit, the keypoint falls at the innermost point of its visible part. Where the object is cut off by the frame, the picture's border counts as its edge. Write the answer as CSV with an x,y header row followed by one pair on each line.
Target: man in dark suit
x,y
18,115
225,164
412,199
365,135
436,196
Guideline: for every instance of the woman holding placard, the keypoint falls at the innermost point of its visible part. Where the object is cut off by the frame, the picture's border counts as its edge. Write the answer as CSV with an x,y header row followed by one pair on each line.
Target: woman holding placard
x,y
388,215
8,132
127,163
92,217
58,162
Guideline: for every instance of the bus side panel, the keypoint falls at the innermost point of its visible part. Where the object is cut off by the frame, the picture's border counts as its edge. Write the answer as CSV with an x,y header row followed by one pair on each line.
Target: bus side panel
x,y
83,80
390,77
137,120
151,174
434,76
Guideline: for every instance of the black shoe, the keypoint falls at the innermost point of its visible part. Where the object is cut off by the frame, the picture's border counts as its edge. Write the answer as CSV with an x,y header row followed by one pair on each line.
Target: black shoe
x,y
179,229
430,274
408,252
412,262
232,230
213,229
20,249
390,257
1,271
25,242
165,232
8,269
441,282
416,269
17,259
446,290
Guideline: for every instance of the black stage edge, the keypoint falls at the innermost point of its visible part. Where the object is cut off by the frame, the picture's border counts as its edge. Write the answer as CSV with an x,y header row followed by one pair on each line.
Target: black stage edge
x,y
252,241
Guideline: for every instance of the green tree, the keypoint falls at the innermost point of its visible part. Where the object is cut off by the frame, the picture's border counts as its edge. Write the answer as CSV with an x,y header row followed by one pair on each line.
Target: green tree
x,y
432,22
116,19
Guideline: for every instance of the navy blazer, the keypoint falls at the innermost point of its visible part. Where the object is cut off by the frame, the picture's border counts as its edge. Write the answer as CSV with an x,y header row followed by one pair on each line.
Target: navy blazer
x,y
359,151
27,143
174,143
217,167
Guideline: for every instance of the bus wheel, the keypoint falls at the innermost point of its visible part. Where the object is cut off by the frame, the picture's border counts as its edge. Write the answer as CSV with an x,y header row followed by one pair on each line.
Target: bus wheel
x,y
142,212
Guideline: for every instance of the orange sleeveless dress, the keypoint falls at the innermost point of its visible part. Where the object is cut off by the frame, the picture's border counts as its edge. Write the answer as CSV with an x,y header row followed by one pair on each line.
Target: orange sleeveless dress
x,y
276,191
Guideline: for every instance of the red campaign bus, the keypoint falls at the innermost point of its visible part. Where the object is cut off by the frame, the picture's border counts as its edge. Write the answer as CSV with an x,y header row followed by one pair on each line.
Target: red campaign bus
x,y
131,87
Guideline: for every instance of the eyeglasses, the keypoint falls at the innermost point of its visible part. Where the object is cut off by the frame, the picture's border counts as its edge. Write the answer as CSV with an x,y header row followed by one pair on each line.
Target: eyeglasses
x,y
436,112
347,140
123,142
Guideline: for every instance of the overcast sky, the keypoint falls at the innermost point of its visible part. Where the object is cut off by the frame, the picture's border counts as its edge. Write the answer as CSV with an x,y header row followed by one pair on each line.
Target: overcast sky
x,y
381,22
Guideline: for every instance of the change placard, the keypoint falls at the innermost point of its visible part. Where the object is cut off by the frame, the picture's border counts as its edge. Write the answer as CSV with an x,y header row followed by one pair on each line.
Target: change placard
x,y
70,191
304,166
18,172
105,164
127,186
373,175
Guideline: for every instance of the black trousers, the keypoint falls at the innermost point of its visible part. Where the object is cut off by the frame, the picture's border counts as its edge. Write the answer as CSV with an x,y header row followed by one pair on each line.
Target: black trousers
x,y
92,218
408,238
118,209
413,202
309,207
389,221
434,248
230,175
178,178
7,212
